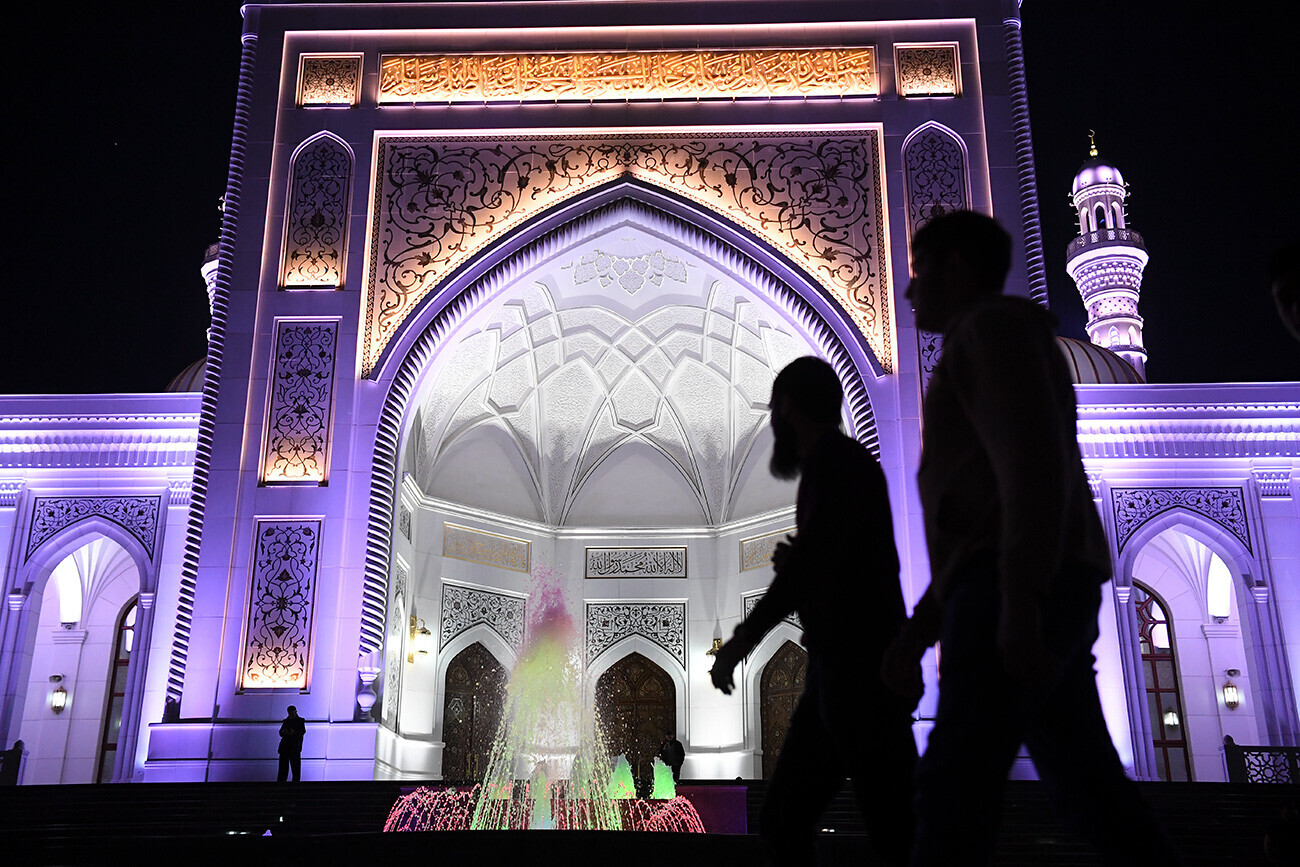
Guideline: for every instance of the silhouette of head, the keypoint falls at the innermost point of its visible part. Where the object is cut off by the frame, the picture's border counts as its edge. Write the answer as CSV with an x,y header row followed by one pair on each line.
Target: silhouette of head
x,y
956,259
293,711
1284,280
806,390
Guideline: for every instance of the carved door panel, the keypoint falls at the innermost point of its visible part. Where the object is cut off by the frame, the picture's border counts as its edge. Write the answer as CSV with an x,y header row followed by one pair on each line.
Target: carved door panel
x,y
779,689
637,702
475,695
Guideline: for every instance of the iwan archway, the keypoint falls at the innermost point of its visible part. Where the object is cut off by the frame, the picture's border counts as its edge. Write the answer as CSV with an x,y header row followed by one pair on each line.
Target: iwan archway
x,y
600,379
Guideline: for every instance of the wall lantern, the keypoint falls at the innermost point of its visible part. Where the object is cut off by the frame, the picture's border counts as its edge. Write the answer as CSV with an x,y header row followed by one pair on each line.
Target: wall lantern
x,y
59,697
421,639
1171,719
713,651
1231,692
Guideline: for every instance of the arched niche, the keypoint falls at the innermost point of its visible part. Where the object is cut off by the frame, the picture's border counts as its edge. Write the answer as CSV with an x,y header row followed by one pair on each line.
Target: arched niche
x,y
1247,640
106,563
410,354
316,214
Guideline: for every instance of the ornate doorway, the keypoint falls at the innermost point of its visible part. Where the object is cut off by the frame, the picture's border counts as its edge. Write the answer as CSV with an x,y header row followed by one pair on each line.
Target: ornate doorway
x,y
637,702
476,689
779,689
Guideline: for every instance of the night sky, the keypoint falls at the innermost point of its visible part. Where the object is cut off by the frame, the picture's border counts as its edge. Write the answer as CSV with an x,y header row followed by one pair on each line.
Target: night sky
x,y
119,155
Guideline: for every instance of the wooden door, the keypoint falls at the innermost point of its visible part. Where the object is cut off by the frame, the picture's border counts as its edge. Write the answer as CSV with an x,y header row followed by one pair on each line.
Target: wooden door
x,y
779,690
475,694
637,702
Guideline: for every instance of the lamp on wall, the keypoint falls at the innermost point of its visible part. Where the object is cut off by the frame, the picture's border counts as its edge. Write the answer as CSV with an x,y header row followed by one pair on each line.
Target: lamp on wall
x,y
713,651
1231,692
59,696
421,639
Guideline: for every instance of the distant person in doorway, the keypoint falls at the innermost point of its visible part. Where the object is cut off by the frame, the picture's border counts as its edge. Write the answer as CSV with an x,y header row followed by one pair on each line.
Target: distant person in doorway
x,y
1017,560
840,573
292,731
673,754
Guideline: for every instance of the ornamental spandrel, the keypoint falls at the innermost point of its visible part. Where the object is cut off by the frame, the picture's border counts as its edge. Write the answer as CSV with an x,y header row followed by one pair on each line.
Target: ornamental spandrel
x,y
814,197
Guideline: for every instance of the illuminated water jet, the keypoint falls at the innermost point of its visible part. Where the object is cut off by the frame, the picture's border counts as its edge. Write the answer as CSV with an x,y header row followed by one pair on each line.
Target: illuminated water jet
x,y
548,768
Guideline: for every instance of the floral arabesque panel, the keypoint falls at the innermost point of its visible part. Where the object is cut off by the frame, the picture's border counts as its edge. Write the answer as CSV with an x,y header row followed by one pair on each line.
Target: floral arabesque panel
x,y
815,198
281,602
297,436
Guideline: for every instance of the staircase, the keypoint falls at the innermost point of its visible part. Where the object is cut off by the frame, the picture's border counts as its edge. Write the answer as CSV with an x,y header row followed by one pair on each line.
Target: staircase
x,y
1210,823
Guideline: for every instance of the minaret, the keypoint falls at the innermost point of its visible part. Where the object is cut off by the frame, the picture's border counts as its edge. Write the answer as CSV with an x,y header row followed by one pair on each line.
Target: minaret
x,y
1106,260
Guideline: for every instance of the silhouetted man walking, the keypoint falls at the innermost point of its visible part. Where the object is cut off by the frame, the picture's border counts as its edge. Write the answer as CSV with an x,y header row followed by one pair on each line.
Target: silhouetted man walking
x,y
840,573
1017,560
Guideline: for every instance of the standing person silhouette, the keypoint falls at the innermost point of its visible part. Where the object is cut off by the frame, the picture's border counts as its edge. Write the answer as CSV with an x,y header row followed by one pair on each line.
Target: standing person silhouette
x,y
840,573
1017,560
292,731
673,754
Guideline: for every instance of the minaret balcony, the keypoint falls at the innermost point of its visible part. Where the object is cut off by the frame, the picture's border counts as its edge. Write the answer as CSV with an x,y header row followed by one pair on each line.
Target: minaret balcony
x,y
1105,238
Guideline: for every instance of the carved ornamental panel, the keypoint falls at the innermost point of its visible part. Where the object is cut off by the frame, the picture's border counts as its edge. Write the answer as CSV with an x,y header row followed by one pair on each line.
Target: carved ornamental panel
x,y
663,623
281,603
1133,507
927,70
477,546
137,515
329,79
300,412
752,599
628,75
815,197
465,607
316,218
636,562
756,553
936,174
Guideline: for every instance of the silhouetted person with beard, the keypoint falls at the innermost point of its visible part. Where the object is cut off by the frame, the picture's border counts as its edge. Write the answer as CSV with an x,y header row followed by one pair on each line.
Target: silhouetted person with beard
x,y
1017,560
840,573
292,731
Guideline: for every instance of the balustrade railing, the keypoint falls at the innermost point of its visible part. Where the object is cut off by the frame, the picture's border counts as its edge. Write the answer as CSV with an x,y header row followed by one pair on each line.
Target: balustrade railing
x,y
1105,237
1261,764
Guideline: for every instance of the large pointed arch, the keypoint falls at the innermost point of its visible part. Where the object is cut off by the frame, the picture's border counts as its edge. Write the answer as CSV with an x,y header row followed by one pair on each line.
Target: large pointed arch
x,y
1257,609
804,303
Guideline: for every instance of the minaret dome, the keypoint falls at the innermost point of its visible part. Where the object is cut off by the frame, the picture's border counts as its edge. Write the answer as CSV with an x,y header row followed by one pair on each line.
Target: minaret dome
x,y
1106,260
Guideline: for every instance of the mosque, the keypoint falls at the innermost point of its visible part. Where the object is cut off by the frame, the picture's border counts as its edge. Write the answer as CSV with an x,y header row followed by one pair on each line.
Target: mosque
x,y
501,288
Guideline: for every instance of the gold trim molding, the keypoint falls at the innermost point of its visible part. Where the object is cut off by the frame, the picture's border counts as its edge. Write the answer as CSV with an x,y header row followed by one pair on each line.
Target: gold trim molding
x,y
628,75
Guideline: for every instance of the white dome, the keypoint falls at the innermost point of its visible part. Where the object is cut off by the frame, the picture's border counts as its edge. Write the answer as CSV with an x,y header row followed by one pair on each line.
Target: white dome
x,y
1091,364
1096,171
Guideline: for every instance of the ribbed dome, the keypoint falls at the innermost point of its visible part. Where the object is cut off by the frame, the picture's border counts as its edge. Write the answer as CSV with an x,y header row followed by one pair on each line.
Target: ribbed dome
x,y
1091,364
1096,171
189,379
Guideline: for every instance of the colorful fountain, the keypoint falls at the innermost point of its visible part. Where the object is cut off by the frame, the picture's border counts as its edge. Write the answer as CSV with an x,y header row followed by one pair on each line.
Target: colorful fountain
x,y
548,768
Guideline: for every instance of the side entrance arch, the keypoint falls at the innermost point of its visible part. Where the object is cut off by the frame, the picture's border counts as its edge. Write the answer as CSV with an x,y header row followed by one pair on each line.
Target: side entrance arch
x,y
779,689
475,696
637,703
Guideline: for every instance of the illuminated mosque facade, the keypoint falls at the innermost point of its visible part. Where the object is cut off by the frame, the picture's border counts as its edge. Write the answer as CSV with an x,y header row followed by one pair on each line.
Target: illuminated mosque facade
x,y
501,288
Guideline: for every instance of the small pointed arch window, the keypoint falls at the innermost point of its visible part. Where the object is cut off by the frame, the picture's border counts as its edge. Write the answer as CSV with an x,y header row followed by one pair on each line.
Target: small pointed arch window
x,y
1101,216
315,234
1163,697
119,666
